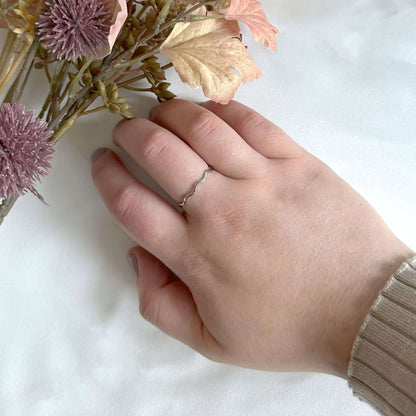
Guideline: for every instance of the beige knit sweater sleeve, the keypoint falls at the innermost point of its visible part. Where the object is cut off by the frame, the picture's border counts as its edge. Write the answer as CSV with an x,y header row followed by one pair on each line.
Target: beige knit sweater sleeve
x,y
382,370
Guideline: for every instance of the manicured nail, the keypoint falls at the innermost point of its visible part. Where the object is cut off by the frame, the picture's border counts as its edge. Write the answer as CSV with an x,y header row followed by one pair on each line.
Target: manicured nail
x,y
98,153
134,264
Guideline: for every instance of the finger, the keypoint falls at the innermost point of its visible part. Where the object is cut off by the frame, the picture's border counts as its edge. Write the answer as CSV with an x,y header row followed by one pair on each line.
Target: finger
x,y
218,144
170,161
148,218
260,133
167,303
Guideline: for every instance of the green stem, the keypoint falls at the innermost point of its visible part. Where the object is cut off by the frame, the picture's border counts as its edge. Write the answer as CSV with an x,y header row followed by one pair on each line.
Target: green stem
x,y
45,106
59,117
134,61
128,87
77,79
140,77
69,122
55,88
142,10
94,110
198,18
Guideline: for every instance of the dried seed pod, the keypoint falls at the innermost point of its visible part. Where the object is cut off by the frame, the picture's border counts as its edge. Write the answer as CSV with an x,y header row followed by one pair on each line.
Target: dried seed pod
x,y
150,78
159,77
120,100
136,23
87,78
95,67
128,116
166,95
112,92
102,90
150,20
130,41
125,107
114,108
163,86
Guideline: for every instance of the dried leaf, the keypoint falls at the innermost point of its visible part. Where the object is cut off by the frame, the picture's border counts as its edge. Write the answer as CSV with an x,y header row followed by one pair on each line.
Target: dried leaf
x,y
250,12
207,53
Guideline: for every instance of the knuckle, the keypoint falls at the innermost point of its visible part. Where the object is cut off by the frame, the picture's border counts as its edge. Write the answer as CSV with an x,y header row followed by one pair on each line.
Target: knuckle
x,y
252,121
124,203
148,307
270,133
155,146
205,125
243,213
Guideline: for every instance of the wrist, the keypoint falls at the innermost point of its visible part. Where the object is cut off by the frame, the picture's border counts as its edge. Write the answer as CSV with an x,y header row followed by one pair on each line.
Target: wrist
x,y
351,307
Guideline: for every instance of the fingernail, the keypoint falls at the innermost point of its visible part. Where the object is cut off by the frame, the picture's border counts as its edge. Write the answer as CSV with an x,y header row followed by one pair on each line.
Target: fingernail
x,y
152,111
97,154
134,264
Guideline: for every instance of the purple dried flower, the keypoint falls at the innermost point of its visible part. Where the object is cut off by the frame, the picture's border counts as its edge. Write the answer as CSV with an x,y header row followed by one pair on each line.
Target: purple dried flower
x,y
74,29
25,151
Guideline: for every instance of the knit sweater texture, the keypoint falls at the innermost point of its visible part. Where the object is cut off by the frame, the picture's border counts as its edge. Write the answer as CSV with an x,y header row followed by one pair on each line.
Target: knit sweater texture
x,y
382,370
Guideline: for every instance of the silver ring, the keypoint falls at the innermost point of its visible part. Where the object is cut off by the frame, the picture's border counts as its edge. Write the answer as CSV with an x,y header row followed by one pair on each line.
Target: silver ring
x,y
181,204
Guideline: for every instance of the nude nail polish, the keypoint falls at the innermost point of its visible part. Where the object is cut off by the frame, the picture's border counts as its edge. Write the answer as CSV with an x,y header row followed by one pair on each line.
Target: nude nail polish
x,y
134,264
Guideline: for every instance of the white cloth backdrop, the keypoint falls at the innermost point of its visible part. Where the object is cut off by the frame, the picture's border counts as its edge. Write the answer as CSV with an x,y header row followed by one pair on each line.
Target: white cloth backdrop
x,y
343,84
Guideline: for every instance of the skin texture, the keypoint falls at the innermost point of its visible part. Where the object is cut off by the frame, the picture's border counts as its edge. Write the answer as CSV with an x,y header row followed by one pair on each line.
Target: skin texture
x,y
274,262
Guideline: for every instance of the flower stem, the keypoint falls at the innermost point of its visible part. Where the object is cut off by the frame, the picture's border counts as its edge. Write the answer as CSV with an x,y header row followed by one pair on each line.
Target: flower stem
x,y
55,88
128,87
19,59
69,122
11,51
16,90
123,83
6,206
45,106
6,50
134,61
77,79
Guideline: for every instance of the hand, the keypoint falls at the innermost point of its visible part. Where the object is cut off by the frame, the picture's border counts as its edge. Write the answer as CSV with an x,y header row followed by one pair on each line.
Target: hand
x,y
274,262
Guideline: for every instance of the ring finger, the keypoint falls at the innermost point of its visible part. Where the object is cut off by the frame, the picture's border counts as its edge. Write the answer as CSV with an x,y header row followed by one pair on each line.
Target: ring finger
x,y
169,160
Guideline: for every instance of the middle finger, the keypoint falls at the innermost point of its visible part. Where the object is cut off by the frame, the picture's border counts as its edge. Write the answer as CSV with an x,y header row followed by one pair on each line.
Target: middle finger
x,y
210,137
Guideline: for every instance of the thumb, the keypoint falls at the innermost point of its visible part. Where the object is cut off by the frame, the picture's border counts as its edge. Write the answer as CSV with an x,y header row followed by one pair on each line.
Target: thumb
x,y
167,303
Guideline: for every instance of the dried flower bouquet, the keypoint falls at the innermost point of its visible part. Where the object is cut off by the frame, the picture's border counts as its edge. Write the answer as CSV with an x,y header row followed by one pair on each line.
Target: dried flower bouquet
x,y
91,50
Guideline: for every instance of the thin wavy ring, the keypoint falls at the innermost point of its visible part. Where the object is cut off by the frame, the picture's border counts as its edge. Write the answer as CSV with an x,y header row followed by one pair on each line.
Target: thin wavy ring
x,y
181,204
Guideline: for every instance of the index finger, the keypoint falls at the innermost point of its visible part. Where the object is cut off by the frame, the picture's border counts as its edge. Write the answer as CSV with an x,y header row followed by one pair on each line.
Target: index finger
x,y
261,134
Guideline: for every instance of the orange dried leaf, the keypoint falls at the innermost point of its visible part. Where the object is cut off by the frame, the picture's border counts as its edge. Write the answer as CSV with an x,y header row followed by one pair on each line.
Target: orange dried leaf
x,y
250,12
208,53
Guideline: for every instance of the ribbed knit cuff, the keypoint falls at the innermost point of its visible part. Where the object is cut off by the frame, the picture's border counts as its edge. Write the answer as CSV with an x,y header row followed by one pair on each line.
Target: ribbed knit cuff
x,y
382,370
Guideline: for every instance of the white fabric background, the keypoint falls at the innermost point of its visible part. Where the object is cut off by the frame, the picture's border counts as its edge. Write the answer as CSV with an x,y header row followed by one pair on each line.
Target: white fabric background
x,y
343,84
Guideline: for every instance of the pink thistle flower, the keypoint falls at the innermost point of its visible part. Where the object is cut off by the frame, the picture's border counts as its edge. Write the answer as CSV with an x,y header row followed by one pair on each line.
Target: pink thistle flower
x,y
25,150
74,29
